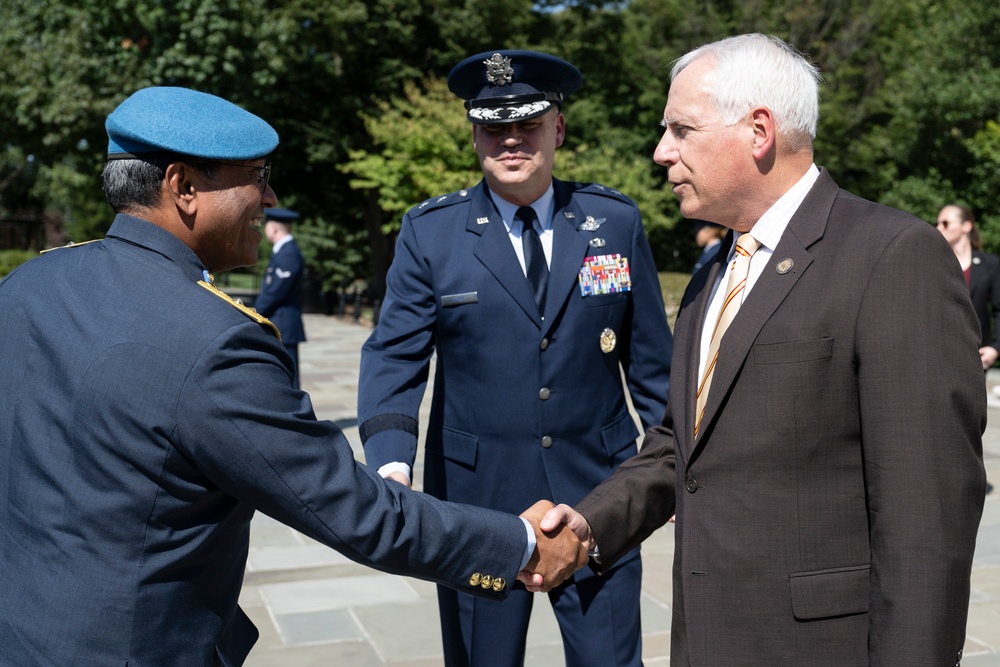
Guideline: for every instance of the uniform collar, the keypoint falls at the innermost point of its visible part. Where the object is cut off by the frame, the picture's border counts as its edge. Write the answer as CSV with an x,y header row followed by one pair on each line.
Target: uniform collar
x,y
142,233
280,244
542,206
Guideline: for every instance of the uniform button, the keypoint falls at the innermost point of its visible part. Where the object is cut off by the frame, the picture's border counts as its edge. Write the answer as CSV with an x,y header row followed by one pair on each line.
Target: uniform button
x,y
691,485
546,441
498,584
544,344
475,579
544,393
487,581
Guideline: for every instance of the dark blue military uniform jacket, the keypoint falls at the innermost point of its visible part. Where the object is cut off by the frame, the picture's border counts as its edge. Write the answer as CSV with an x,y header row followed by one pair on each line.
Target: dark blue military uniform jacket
x,y
524,407
143,419
280,298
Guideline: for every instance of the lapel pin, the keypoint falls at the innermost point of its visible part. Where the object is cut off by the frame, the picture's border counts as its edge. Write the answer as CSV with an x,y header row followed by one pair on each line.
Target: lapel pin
x,y
784,266
482,221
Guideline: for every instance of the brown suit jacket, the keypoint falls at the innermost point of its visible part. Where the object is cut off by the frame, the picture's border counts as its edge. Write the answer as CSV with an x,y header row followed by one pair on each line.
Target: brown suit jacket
x,y
827,512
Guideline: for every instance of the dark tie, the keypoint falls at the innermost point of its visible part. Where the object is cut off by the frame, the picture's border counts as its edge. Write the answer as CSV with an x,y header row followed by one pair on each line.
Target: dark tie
x,y
534,257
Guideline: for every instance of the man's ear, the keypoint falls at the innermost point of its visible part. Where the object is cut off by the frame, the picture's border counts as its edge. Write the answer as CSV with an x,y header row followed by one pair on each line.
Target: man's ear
x,y
764,132
181,188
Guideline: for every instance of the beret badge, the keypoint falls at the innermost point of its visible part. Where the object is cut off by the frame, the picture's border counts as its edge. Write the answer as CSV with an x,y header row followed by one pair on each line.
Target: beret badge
x,y
498,70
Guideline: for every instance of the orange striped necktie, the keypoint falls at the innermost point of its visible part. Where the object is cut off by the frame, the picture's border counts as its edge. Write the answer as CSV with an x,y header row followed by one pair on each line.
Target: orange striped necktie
x,y
746,246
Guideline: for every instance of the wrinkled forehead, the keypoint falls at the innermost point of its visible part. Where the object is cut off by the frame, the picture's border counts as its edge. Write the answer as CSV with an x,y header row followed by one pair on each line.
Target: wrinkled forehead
x,y
691,98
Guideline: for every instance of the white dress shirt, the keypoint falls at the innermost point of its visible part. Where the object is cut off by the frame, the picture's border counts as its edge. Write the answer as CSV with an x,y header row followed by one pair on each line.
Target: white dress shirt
x,y
768,231
543,211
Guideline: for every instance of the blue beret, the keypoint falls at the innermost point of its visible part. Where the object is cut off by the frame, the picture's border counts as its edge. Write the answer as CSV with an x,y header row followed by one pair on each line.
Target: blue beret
x,y
280,214
511,86
187,122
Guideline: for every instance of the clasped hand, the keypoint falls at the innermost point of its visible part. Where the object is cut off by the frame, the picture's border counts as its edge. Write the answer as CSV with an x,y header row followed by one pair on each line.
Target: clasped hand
x,y
563,538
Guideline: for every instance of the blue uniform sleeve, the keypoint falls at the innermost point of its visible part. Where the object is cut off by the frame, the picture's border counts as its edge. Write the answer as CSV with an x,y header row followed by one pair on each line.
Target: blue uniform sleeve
x,y
258,439
396,358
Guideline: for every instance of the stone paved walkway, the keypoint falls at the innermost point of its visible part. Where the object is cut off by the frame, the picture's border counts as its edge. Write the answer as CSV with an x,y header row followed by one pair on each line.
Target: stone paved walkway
x,y
315,607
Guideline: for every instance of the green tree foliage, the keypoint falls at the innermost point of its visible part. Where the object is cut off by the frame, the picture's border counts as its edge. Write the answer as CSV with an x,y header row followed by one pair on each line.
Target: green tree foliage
x,y
909,112
423,148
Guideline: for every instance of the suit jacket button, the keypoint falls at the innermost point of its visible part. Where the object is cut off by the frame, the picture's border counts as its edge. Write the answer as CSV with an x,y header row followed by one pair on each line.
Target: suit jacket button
x,y
487,581
498,584
544,393
475,579
546,441
691,485
544,344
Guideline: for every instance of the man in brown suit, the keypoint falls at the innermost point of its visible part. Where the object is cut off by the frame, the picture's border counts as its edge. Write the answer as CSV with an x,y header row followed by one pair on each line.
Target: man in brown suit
x,y
829,492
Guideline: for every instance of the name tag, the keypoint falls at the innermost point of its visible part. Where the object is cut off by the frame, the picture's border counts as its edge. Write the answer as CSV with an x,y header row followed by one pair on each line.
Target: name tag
x,y
605,274
450,300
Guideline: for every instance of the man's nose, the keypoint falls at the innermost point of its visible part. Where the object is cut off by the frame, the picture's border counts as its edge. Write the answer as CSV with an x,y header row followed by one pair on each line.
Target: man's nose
x,y
512,137
665,153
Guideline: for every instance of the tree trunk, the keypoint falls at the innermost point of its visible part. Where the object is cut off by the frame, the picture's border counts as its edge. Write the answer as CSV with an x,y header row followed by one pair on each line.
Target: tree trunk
x,y
54,223
380,247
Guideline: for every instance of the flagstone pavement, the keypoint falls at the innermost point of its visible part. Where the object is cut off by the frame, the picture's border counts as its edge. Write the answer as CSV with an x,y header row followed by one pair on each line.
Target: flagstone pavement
x,y
316,607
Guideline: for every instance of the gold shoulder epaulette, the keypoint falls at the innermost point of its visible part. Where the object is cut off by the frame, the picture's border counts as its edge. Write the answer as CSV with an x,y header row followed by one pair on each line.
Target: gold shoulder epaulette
x,y
249,312
68,245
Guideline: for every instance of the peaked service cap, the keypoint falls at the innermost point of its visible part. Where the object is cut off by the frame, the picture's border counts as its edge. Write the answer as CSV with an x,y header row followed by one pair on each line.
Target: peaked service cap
x,y
165,119
280,214
511,86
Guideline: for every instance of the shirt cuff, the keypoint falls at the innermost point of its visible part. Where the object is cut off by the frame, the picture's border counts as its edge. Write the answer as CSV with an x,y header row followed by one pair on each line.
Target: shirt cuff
x,y
396,466
530,549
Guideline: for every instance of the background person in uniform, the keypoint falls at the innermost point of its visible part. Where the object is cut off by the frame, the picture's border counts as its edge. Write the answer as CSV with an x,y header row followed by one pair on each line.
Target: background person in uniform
x,y
531,342
708,236
982,274
280,298
147,416
828,501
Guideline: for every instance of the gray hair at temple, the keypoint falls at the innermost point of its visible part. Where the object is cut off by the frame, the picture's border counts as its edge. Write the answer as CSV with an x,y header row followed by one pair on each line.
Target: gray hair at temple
x,y
759,70
133,185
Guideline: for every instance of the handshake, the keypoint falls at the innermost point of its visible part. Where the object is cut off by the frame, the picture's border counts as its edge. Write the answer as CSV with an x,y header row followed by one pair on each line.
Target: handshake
x,y
563,539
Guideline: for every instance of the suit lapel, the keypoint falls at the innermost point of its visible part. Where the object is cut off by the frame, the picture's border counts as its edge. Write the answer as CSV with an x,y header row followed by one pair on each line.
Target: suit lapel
x,y
977,276
806,227
569,247
497,254
687,343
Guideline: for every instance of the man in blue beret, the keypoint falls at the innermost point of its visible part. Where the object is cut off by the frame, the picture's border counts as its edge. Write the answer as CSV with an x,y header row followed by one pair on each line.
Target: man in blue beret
x,y
153,415
280,298
538,297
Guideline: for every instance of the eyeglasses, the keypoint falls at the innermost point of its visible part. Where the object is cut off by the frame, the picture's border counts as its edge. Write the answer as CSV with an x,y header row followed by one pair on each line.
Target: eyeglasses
x,y
263,172
263,176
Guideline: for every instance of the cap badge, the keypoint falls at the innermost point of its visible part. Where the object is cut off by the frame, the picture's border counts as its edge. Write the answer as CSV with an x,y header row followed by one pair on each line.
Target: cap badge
x,y
498,70
608,341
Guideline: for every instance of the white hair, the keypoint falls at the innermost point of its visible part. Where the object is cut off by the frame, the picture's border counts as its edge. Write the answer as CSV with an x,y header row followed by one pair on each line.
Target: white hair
x,y
758,70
